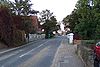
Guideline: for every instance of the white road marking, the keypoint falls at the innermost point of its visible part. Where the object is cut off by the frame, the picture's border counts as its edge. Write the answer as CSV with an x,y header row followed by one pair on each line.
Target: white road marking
x,y
2,66
21,50
32,50
5,57
10,55
68,57
14,48
66,61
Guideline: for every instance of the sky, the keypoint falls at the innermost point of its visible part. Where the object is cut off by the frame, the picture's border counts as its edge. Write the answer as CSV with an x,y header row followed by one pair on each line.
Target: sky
x,y
60,8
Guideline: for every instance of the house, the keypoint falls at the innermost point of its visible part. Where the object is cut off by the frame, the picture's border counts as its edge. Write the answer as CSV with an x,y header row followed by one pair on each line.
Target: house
x,y
35,22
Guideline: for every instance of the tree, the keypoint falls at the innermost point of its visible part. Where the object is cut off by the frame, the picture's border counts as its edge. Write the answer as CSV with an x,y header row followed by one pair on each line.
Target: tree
x,y
71,19
97,36
89,19
49,22
85,19
4,3
97,18
45,15
22,7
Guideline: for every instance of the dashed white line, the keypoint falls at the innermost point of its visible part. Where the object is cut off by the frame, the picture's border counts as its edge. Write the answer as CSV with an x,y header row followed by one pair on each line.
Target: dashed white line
x,y
32,50
5,57
2,66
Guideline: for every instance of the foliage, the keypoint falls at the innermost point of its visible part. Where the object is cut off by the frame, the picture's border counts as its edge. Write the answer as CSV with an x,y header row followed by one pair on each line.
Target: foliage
x,y
86,27
71,19
45,15
97,32
22,7
4,3
6,26
88,43
18,37
12,27
86,19
49,22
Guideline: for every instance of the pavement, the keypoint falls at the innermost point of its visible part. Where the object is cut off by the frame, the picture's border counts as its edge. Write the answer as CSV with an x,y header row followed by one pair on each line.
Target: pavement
x,y
66,56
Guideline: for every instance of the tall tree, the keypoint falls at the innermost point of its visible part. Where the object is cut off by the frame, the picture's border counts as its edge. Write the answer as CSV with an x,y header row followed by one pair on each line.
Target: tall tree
x,y
88,21
49,22
85,19
45,15
71,20
22,7
4,3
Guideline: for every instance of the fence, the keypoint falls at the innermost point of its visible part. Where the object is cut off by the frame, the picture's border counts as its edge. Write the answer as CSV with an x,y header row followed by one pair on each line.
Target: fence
x,y
33,37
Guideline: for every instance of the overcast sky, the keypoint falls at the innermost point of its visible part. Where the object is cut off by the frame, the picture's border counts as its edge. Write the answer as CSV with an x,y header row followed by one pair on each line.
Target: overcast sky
x,y
60,8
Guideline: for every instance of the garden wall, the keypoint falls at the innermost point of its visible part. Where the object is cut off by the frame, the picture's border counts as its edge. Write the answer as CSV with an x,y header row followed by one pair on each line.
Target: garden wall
x,y
85,52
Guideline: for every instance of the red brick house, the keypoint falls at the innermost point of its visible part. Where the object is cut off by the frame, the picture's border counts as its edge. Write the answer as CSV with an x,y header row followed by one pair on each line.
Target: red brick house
x,y
35,23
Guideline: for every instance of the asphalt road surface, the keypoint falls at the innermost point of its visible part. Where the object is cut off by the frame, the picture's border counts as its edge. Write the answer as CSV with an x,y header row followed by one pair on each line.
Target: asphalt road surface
x,y
38,54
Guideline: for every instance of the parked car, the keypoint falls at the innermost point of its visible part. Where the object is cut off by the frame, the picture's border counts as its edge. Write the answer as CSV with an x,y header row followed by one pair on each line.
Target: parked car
x,y
97,55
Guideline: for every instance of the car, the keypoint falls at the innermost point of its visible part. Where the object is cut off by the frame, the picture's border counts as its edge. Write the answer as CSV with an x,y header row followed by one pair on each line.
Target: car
x,y
97,55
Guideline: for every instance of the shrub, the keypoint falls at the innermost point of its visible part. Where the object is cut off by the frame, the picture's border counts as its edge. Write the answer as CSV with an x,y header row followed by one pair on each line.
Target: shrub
x,y
19,37
6,26
88,43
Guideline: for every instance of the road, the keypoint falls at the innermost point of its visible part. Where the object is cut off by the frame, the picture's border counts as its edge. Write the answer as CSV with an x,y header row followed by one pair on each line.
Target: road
x,y
36,54
39,53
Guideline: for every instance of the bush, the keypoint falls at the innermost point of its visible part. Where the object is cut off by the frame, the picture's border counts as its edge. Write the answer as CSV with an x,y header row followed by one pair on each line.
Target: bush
x,y
88,43
6,26
19,37
9,30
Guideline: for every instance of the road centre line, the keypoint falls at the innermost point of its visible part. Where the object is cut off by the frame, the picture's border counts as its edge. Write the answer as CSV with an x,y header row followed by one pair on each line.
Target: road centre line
x,y
33,49
5,57
15,48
